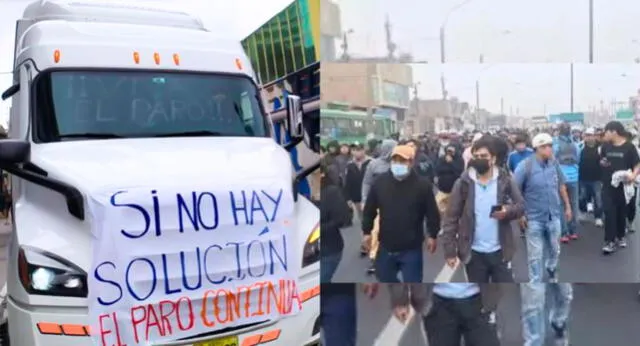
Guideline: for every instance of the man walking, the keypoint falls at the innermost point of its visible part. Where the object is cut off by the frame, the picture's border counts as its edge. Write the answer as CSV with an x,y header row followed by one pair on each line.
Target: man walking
x,y
374,169
534,315
338,312
520,153
567,153
402,200
477,225
590,175
353,179
450,311
542,184
616,154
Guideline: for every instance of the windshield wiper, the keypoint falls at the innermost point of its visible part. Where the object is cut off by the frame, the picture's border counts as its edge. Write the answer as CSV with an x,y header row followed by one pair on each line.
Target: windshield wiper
x,y
190,134
91,135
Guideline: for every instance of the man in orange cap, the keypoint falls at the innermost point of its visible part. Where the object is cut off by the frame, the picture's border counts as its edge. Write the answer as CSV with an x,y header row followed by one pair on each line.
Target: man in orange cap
x,y
403,200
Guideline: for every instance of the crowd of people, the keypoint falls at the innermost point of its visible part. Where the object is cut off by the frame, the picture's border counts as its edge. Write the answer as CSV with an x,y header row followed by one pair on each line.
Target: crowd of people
x,y
464,192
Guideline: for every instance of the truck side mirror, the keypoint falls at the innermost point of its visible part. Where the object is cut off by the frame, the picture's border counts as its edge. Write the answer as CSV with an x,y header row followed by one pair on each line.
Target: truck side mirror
x,y
10,92
294,117
13,151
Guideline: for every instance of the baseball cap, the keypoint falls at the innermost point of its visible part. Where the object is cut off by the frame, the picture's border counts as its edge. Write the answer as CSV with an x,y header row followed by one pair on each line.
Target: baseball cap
x,y
541,139
590,131
404,151
615,126
477,136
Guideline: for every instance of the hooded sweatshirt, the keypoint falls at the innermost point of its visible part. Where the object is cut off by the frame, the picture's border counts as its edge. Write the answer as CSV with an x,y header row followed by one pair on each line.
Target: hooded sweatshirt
x,y
378,166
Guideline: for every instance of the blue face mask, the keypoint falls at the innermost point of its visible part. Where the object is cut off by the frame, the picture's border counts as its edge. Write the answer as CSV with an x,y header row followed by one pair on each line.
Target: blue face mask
x,y
399,170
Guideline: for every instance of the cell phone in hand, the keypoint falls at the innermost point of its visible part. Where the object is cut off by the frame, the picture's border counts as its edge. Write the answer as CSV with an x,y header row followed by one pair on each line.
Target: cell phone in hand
x,y
495,208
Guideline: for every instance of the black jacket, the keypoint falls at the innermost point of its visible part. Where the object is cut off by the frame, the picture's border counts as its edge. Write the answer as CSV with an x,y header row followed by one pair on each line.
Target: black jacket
x,y
448,173
424,166
353,181
403,206
334,214
589,168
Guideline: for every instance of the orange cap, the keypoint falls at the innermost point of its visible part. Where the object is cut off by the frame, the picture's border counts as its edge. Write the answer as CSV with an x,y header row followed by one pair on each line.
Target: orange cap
x,y
404,151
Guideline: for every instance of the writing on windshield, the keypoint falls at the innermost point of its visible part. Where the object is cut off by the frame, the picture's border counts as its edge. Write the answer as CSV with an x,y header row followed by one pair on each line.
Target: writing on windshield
x,y
128,103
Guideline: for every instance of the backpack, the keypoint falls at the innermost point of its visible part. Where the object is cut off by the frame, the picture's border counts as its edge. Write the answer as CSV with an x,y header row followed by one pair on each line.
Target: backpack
x,y
528,170
567,152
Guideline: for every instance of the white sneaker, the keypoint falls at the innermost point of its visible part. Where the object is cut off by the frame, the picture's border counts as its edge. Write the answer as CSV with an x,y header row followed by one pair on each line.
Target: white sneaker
x,y
599,223
583,217
589,207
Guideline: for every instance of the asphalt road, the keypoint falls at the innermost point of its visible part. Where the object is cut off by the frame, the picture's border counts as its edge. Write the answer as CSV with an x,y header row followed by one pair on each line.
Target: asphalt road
x,y
580,261
602,314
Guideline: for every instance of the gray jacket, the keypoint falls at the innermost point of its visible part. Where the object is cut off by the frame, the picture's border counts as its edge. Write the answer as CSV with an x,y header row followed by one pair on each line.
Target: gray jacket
x,y
419,295
458,226
377,166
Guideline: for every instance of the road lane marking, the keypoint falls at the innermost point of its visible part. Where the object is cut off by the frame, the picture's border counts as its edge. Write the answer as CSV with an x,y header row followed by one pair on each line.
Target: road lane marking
x,y
446,273
394,330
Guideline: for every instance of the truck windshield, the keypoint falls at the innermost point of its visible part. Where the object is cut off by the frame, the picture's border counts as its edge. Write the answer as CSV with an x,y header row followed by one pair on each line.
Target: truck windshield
x,y
76,105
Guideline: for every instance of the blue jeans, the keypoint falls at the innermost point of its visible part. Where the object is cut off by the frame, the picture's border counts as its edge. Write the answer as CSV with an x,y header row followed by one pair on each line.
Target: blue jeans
x,y
533,309
409,263
328,266
543,240
338,319
571,227
591,191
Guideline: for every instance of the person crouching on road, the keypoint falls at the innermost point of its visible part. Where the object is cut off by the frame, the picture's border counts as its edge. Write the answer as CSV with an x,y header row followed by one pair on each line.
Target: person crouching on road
x,y
451,311
541,181
477,225
403,200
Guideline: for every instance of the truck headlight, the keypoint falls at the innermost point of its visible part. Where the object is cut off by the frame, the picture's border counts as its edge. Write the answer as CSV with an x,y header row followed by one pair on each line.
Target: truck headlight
x,y
43,273
311,252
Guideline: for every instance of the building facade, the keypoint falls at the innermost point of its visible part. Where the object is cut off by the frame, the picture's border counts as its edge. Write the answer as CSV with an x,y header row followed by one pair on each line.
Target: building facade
x,y
440,115
380,87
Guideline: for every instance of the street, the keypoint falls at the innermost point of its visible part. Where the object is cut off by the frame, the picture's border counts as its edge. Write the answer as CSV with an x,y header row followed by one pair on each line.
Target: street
x,y
602,314
580,260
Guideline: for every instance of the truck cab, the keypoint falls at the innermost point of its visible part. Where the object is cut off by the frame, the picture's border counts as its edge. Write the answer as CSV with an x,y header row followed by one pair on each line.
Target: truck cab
x,y
118,95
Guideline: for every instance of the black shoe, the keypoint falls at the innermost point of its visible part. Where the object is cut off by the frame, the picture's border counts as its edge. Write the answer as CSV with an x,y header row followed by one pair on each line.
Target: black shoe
x,y
552,275
560,335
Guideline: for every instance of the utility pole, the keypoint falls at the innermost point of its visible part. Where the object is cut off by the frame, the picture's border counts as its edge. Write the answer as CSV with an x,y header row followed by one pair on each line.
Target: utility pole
x,y
345,46
481,59
442,85
591,31
442,57
391,46
416,106
571,87
502,106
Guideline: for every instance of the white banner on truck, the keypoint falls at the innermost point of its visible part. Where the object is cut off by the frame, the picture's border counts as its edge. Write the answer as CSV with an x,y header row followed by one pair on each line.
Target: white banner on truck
x,y
175,262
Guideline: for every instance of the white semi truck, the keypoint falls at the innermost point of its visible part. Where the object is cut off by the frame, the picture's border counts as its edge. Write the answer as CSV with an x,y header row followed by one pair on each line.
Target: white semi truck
x,y
105,94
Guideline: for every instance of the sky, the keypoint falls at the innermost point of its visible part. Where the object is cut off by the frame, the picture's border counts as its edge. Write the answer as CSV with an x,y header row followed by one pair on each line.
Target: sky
x,y
530,88
501,30
237,18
